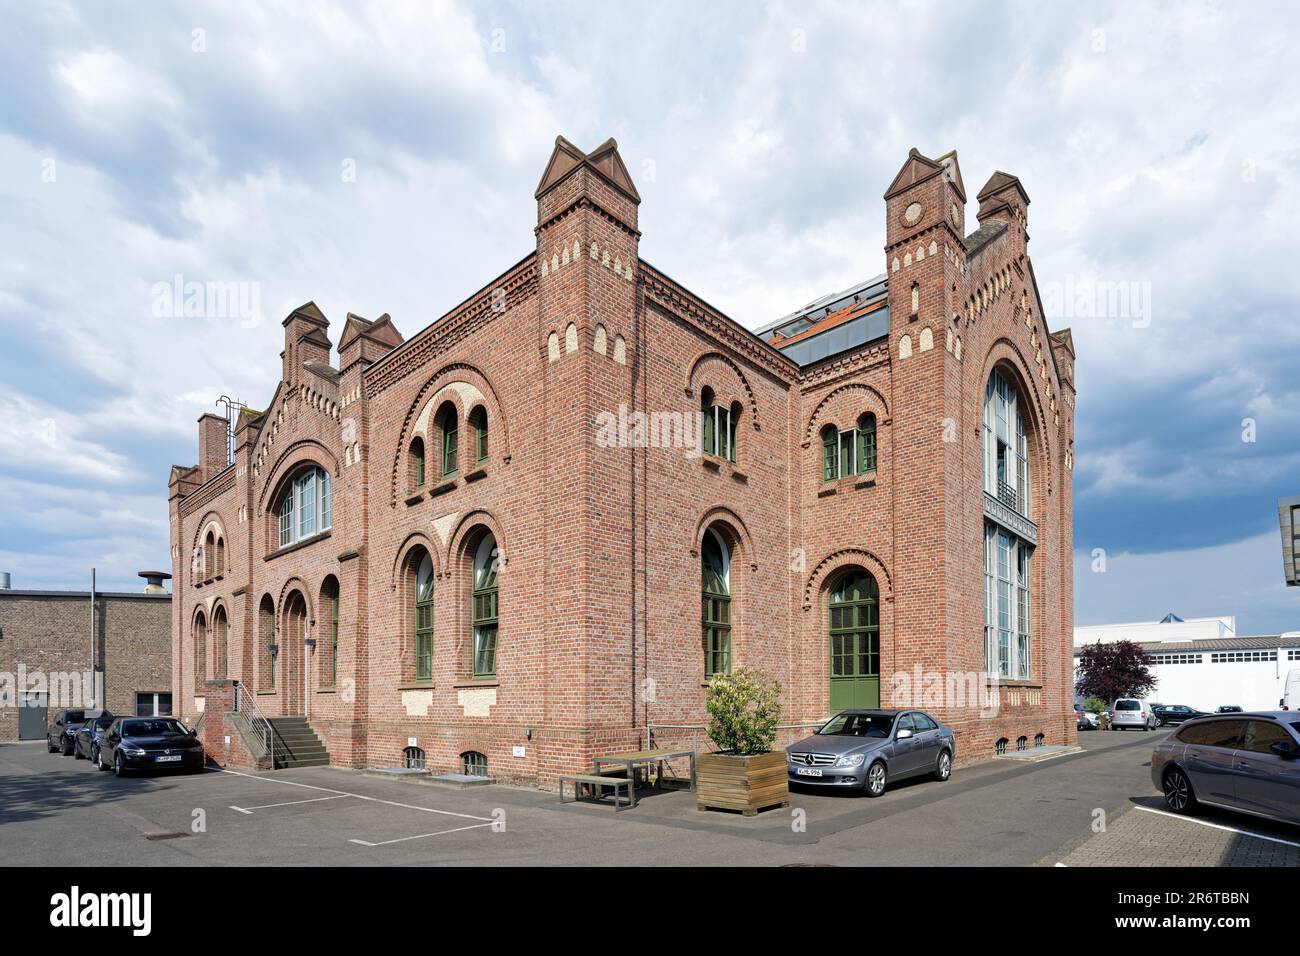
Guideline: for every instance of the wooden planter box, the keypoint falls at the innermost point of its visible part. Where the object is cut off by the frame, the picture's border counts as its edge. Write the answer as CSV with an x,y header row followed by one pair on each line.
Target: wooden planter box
x,y
747,784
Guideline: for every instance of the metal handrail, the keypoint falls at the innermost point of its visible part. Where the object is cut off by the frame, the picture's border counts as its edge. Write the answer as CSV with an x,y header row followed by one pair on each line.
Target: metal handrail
x,y
246,704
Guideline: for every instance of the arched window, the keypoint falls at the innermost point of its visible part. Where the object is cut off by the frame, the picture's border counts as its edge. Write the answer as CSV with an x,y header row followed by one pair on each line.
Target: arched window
x,y
1007,555
1006,448
1000,747
221,557
417,462
266,643
473,764
220,637
719,428
449,433
209,556
849,452
484,620
715,567
413,758
327,675
307,506
854,619
200,653
479,423
422,565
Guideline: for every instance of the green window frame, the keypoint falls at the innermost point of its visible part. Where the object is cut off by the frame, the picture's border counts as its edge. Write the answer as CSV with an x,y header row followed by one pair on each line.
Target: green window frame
x,y
417,458
715,595
830,453
478,418
855,626
450,439
334,637
424,618
485,616
849,452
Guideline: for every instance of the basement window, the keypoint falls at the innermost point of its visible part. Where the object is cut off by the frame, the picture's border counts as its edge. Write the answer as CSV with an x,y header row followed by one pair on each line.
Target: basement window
x,y
1001,746
473,764
413,758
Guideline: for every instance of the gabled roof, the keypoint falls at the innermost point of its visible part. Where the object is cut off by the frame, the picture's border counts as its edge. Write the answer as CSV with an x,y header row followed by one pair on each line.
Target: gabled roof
x,y
308,311
916,169
381,330
604,160
1000,182
1063,338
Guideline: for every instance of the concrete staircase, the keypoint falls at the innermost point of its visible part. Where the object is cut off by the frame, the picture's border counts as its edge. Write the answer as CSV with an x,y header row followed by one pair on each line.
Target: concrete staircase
x,y
296,744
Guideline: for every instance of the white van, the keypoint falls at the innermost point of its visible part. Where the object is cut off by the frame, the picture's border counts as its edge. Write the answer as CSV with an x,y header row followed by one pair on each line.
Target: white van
x,y
1291,692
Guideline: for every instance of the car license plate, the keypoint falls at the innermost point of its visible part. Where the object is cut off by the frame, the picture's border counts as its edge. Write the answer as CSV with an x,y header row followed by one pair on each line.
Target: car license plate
x,y
807,772
166,757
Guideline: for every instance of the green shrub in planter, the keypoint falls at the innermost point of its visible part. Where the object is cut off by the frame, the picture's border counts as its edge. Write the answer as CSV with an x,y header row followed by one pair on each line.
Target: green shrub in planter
x,y
744,711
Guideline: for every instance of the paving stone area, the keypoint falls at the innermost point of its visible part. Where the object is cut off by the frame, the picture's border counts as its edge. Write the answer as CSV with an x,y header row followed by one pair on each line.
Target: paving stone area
x,y
1141,839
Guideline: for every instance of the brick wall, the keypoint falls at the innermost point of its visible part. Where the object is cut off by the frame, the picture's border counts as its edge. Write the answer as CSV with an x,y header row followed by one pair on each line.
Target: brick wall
x,y
49,632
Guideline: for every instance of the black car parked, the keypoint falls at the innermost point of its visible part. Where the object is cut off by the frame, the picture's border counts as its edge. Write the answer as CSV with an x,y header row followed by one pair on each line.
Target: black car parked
x,y
1174,713
149,743
86,743
59,735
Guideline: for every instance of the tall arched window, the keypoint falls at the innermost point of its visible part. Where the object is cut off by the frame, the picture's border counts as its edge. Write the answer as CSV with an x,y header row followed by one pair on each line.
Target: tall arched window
x,y
1007,553
449,434
479,423
221,557
307,506
220,638
417,462
266,643
715,567
719,426
485,607
328,673
1006,448
209,556
422,564
200,653
854,628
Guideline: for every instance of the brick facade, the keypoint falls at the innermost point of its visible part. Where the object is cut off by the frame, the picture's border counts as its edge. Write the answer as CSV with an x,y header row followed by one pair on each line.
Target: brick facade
x,y
48,633
599,544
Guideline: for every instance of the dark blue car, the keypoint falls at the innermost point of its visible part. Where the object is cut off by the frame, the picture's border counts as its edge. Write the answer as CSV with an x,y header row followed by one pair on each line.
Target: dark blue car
x,y
86,743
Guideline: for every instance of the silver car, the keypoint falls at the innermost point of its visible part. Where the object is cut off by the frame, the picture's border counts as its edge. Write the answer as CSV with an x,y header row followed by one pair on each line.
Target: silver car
x,y
1129,712
864,749
1247,762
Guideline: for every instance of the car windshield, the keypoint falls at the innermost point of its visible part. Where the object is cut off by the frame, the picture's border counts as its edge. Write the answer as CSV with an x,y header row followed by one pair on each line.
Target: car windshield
x,y
1127,705
153,728
103,723
857,725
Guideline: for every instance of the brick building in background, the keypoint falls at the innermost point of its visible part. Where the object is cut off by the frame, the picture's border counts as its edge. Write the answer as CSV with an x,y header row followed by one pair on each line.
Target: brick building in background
x,y
45,636
461,541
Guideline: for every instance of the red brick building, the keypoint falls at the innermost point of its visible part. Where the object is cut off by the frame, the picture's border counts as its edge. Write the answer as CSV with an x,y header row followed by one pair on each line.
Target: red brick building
x,y
492,537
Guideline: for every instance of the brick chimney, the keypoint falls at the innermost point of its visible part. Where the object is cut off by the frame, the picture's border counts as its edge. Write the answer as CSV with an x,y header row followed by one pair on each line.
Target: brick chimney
x,y
213,438
306,339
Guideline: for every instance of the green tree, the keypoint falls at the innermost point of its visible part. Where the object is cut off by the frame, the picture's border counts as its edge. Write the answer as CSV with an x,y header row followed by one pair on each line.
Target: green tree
x,y
744,710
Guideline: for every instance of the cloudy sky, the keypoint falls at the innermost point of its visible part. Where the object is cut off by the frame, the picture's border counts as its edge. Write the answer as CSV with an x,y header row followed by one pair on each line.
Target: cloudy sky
x,y
382,157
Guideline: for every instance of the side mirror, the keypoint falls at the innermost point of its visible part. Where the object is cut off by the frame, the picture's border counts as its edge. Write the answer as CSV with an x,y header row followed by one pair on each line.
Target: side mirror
x,y
903,734
1283,749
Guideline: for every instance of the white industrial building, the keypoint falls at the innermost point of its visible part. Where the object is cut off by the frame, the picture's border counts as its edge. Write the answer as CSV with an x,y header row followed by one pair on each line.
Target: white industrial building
x,y
1203,664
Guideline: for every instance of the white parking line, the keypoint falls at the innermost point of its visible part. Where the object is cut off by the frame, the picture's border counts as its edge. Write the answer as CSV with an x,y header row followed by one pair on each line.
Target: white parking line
x,y
1218,826
290,803
359,796
421,836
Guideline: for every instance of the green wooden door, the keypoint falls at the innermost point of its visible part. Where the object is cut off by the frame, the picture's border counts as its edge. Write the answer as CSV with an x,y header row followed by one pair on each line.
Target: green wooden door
x,y
854,618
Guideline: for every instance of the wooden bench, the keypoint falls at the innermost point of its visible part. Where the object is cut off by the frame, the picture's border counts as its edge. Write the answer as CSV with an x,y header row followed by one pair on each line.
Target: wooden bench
x,y
580,780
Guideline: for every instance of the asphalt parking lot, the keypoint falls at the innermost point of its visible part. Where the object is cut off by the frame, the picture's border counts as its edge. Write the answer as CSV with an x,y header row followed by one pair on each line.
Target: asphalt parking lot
x,y
60,811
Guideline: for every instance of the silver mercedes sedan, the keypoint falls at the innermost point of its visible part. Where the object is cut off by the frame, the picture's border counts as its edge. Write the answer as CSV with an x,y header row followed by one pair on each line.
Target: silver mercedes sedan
x,y
865,749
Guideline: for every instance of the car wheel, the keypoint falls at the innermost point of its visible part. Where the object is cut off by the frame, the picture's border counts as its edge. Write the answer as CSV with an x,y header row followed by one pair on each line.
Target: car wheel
x,y
99,759
76,752
943,769
875,784
118,769
64,749
49,746
1179,796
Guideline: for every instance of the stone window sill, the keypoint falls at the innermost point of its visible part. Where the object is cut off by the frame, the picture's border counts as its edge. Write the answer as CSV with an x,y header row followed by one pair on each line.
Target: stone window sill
x,y
418,685
326,690
476,682
414,497
443,488
1031,684
476,474
305,542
